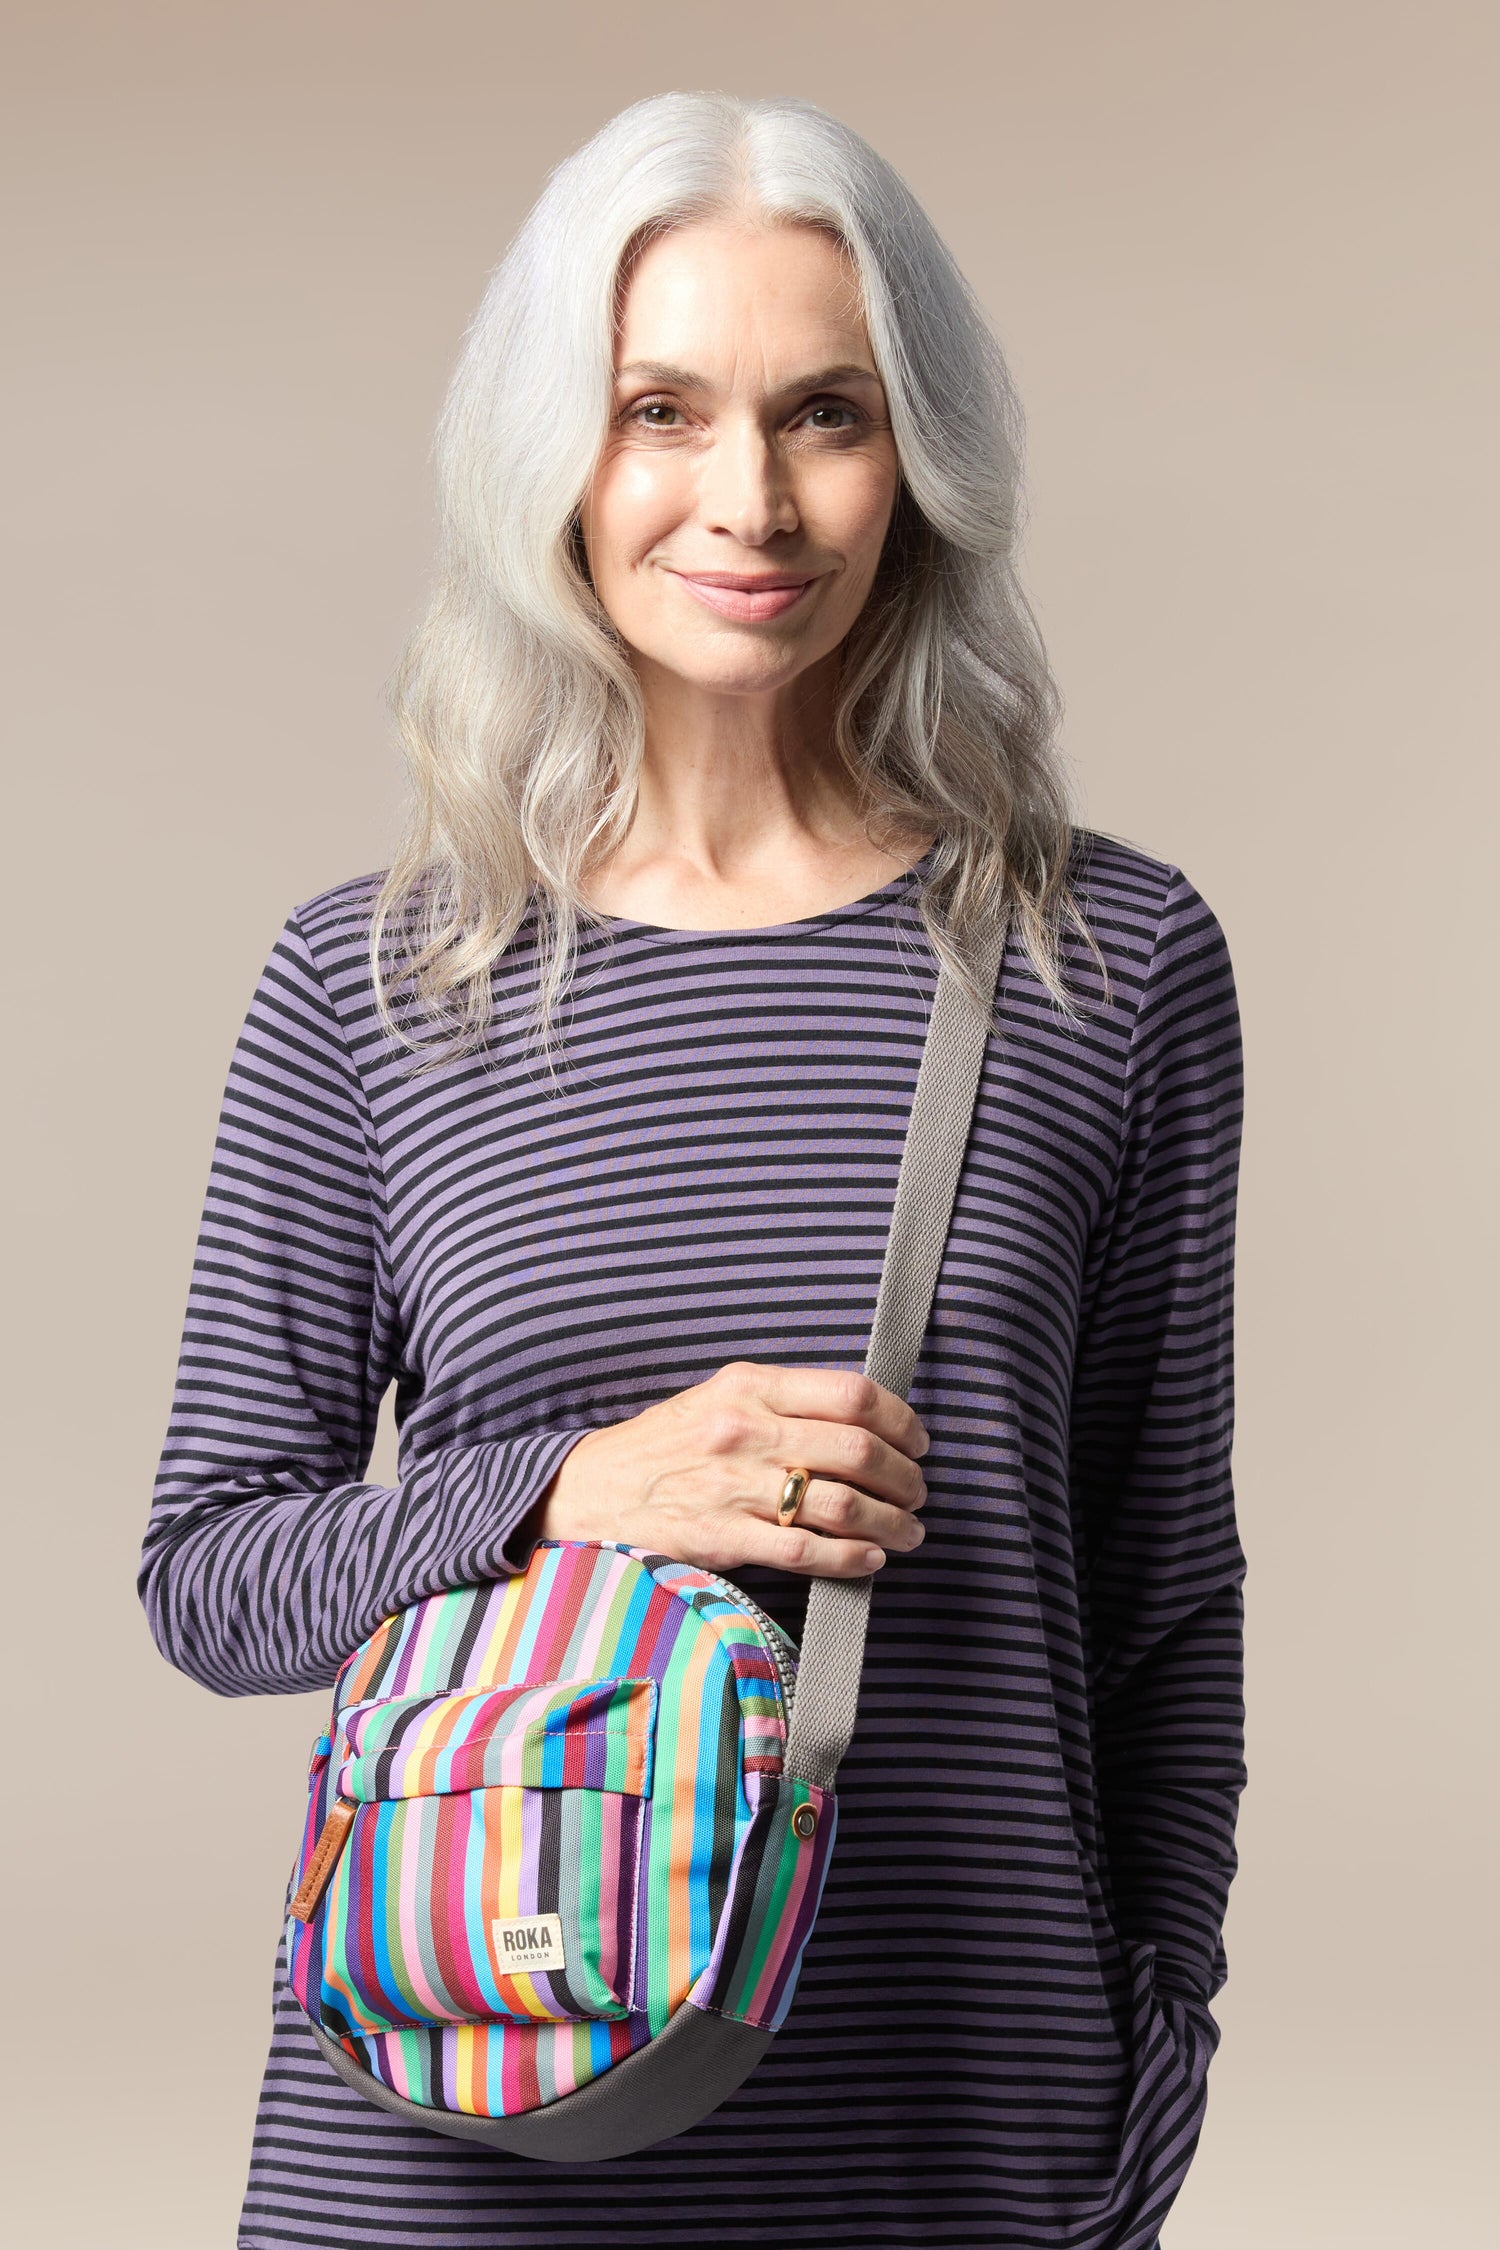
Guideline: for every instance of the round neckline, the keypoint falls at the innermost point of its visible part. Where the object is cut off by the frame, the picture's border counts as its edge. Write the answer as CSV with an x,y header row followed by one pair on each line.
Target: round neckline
x,y
908,879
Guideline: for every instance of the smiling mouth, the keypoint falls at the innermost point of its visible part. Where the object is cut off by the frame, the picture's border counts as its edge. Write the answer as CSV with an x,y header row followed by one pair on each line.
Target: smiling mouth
x,y
746,598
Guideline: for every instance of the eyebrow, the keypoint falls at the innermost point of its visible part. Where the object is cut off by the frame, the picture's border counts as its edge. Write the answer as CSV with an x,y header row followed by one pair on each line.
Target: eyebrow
x,y
662,371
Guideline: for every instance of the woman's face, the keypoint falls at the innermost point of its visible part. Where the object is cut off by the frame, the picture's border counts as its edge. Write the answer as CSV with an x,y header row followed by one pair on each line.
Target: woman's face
x,y
740,502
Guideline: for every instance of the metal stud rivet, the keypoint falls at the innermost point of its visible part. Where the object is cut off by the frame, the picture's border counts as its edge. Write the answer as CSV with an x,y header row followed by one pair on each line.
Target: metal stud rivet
x,y
805,1821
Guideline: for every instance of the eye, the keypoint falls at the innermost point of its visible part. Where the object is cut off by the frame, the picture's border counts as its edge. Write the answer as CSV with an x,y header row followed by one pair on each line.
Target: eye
x,y
836,406
652,407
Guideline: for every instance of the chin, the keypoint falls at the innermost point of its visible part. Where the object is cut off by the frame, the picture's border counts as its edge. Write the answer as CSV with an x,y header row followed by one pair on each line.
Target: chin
x,y
746,680
752,671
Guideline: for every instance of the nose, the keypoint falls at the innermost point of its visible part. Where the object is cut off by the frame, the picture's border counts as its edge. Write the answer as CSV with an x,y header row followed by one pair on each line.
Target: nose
x,y
746,486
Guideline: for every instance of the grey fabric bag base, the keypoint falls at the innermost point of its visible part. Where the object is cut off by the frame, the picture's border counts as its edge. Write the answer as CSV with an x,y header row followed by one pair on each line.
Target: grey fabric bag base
x,y
691,2066
698,2058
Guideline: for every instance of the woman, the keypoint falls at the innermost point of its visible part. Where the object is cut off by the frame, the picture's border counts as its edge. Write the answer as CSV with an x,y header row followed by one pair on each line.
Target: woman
x,y
728,724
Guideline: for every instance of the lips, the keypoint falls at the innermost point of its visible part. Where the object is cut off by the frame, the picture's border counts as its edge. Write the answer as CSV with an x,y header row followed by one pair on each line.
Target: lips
x,y
746,597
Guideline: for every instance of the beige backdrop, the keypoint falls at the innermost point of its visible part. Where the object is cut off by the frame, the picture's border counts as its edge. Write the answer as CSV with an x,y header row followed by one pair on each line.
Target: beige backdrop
x,y
1234,252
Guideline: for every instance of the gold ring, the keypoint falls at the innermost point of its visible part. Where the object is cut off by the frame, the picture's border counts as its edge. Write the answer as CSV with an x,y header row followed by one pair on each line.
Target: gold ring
x,y
797,1482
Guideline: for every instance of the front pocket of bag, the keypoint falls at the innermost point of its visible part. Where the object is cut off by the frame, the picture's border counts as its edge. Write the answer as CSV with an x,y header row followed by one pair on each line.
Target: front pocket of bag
x,y
491,1866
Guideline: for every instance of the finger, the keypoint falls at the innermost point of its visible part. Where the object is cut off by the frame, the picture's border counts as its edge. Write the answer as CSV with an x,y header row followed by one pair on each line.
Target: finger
x,y
841,1512
807,1554
830,1394
846,1453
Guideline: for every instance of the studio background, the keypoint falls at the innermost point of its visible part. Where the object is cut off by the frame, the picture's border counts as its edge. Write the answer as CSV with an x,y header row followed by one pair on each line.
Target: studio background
x,y
1237,259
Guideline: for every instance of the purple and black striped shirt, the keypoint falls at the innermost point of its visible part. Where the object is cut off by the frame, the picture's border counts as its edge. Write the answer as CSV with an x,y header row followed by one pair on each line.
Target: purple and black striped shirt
x,y
1002,2032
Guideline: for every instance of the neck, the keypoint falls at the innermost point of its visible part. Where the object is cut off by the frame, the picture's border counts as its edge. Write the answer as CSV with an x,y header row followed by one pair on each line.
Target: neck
x,y
730,778
743,815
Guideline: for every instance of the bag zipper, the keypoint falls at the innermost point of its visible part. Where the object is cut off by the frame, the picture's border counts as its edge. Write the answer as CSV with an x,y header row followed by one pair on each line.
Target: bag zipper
x,y
776,1637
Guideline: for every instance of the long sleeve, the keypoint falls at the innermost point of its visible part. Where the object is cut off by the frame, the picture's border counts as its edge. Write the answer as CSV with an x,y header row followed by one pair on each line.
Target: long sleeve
x,y
267,1558
1152,1429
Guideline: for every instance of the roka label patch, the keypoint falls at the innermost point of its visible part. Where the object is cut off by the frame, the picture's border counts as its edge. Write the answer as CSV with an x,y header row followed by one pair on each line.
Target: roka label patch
x,y
532,1941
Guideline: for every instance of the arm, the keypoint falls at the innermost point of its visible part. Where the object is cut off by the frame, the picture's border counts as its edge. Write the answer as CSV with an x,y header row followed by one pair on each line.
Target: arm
x,y
1152,1428
267,1558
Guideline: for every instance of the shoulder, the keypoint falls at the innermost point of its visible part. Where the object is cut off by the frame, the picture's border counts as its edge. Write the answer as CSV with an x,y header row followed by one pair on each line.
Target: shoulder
x,y
334,925
1131,898
1144,913
316,991
1173,987
325,943
1140,949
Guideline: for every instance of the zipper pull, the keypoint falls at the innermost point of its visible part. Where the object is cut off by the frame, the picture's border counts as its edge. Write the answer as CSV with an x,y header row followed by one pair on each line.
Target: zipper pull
x,y
331,1841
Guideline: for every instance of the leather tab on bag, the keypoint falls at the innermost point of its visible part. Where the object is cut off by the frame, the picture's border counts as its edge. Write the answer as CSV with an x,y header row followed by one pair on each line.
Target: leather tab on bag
x,y
331,1841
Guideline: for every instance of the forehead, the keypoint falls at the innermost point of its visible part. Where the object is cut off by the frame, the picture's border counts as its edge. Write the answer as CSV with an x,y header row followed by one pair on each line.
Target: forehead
x,y
722,288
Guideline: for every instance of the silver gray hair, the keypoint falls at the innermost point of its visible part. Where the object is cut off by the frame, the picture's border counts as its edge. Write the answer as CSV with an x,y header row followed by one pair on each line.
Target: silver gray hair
x,y
517,703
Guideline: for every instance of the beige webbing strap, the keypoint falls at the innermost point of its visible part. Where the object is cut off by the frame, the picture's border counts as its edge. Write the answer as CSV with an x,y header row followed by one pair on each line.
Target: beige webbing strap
x,y
937,1133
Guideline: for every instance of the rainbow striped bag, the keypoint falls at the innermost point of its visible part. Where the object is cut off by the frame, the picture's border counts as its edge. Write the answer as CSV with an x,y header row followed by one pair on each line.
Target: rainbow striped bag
x,y
567,1833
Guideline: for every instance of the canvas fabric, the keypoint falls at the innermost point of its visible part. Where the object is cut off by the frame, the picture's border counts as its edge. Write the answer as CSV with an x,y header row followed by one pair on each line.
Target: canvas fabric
x,y
600,1739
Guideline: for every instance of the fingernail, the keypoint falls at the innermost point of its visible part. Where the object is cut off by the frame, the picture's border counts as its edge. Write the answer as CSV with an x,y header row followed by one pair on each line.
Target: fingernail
x,y
874,1557
918,1534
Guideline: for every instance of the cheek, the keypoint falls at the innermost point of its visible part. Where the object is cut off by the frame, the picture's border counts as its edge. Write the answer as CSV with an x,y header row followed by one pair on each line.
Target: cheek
x,y
853,510
634,506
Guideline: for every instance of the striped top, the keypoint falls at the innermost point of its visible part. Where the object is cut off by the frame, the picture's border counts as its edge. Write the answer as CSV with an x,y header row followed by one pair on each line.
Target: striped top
x,y
1002,2031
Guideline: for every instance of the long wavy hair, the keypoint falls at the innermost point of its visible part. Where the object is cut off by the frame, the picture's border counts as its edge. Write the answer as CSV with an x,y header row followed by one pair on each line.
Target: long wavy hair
x,y
516,700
